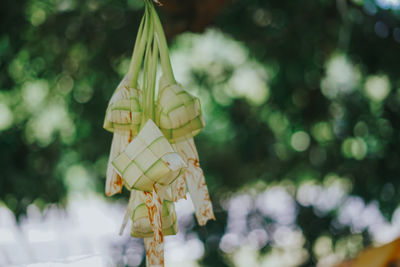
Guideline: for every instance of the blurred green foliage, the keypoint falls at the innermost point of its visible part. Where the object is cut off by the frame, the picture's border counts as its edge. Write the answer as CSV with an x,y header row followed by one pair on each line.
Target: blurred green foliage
x,y
294,92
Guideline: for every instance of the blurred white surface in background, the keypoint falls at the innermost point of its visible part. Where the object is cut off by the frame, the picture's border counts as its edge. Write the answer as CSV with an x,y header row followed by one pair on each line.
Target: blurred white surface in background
x,y
86,234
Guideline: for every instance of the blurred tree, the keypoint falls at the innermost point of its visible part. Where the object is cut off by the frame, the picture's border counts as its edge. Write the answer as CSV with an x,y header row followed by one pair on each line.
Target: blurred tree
x,y
328,109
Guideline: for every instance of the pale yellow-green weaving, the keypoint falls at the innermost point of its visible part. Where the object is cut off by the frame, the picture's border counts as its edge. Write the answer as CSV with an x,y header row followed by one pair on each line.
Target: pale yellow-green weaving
x,y
124,110
178,113
149,159
141,226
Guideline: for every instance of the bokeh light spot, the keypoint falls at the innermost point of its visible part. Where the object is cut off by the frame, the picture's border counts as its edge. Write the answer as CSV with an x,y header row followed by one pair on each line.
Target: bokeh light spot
x,y
65,84
381,29
361,129
387,4
38,16
251,84
322,132
342,77
322,246
300,141
354,148
34,93
77,178
377,88
83,93
6,117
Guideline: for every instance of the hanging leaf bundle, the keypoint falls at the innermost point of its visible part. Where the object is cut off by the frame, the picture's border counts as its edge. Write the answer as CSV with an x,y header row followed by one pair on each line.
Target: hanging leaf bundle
x,y
153,153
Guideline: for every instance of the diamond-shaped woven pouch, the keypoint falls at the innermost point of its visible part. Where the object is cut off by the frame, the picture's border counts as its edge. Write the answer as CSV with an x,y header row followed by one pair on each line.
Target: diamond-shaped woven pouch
x,y
178,113
141,226
124,111
149,159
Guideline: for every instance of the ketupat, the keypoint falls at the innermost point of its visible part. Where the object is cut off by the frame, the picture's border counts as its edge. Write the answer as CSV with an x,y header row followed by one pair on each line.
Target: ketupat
x,y
178,113
149,159
153,152
123,124
141,224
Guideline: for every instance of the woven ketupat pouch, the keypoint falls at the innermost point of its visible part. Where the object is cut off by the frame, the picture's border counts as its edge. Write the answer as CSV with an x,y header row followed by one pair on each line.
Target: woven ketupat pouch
x,y
141,226
123,117
178,113
149,159
124,111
